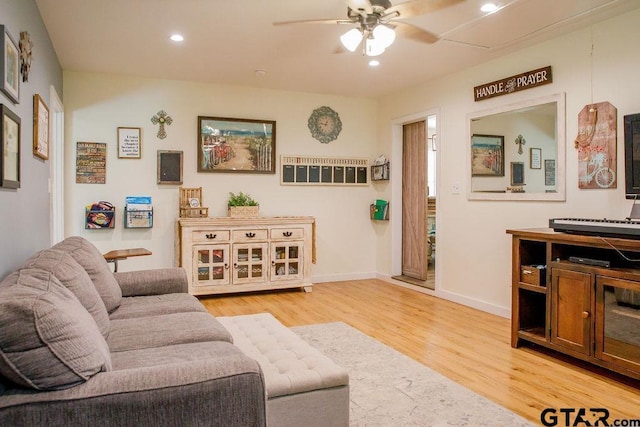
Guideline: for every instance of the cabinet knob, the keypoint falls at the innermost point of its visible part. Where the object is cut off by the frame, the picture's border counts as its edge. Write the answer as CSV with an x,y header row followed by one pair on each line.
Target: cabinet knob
x,y
226,266
287,234
210,236
585,314
235,265
250,234
273,263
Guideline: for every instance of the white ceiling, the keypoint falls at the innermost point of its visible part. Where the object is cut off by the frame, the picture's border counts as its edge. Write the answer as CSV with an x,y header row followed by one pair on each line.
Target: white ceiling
x,y
227,41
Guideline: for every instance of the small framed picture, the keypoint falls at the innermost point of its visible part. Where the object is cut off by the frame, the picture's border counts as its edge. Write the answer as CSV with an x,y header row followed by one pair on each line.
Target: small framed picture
x,y
517,173
40,128
9,66
10,159
129,143
194,202
170,167
535,158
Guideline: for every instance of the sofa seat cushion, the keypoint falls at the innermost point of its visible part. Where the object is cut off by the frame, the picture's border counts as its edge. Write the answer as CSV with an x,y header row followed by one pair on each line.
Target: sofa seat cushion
x,y
48,340
90,258
163,330
75,278
179,353
154,305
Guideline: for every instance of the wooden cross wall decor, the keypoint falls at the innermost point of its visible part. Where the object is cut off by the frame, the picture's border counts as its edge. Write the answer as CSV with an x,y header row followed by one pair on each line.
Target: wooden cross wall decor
x,y
162,118
520,141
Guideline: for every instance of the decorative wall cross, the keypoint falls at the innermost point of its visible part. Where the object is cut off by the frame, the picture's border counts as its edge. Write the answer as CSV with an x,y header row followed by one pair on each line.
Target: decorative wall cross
x,y
520,141
162,118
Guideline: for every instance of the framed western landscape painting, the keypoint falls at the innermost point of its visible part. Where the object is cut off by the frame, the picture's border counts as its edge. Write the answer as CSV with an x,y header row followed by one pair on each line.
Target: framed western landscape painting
x,y
236,145
487,155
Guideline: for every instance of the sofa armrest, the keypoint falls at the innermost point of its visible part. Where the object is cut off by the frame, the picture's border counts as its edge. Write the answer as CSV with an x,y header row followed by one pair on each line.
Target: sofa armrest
x,y
225,391
153,282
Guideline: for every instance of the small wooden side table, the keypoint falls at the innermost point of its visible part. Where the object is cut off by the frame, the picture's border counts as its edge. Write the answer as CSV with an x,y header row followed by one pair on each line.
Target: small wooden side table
x,y
122,254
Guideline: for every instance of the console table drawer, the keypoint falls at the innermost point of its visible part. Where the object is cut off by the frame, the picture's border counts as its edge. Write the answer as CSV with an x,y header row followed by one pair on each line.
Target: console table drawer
x,y
211,236
249,235
287,233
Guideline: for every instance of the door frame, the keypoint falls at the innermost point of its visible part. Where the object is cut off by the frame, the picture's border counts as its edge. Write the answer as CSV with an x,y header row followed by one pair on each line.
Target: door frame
x,y
56,165
395,176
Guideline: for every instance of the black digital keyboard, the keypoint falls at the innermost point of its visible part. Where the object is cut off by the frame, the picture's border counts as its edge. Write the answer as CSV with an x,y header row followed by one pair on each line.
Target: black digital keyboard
x,y
626,228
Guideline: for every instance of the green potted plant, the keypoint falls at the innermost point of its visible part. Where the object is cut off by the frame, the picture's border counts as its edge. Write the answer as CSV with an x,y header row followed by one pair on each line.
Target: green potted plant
x,y
242,205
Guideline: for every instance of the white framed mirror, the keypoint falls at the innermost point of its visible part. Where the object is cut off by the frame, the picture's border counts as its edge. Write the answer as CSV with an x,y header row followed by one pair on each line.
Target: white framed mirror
x,y
517,151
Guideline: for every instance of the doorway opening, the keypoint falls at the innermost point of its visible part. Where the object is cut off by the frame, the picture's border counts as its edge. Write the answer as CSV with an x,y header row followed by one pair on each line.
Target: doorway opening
x,y
415,141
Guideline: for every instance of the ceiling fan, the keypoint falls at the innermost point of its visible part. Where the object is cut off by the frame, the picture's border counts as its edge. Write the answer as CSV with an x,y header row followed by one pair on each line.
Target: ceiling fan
x,y
378,21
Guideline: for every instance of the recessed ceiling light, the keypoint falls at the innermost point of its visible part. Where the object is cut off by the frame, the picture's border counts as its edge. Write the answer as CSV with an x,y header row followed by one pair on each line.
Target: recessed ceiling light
x,y
261,73
176,37
374,63
489,7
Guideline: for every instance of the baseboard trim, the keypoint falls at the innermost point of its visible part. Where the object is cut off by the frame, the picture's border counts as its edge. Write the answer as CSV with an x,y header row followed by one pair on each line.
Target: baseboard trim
x,y
342,277
452,296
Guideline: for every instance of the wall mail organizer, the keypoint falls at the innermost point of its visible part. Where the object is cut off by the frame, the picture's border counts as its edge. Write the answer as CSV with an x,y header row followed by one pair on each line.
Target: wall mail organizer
x,y
100,215
312,170
138,212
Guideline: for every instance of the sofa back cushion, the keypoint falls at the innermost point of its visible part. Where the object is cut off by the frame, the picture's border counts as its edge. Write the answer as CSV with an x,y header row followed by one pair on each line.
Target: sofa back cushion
x,y
88,256
76,279
48,340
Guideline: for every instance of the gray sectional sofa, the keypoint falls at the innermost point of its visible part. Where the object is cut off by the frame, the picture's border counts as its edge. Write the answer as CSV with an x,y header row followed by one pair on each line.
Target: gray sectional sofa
x,y
80,345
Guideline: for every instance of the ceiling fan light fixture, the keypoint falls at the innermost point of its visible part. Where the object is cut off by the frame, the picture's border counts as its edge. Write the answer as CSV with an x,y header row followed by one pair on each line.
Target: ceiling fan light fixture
x,y
351,39
373,47
384,35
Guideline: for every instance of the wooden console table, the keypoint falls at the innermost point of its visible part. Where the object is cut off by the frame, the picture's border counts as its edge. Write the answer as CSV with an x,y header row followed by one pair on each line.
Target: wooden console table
x,y
586,311
229,255
122,254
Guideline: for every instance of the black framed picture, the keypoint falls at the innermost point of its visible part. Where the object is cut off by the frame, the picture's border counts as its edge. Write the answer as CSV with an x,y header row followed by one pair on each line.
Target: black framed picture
x,y
10,159
9,66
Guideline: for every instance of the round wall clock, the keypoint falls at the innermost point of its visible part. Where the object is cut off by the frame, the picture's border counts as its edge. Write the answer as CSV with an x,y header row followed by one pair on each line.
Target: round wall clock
x,y
325,124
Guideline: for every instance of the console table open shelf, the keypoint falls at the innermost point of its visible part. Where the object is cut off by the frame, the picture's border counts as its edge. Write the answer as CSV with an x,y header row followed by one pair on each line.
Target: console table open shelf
x,y
589,312
229,255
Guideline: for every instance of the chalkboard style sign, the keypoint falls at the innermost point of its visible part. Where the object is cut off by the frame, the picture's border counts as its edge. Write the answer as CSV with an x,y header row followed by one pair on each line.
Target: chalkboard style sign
x,y
517,173
170,167
306,170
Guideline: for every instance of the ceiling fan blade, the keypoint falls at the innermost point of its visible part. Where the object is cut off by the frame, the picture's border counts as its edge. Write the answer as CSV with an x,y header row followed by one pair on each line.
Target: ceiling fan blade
x,y
412,32
419,7
315,21
358,5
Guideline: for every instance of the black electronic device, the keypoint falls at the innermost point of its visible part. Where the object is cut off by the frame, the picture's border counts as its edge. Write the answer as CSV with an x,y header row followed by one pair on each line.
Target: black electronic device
x,y
629,228
590,261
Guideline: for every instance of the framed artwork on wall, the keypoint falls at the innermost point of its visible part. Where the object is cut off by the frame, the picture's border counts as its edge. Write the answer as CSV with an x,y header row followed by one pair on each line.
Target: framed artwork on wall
x,y
129,143
236,145
169,167
10,159
10,66
40,128
487,155
517,173
535,158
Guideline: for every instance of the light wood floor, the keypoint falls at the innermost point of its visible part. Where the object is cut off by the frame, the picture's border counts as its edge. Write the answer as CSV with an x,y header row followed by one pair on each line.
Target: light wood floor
x,y
466,345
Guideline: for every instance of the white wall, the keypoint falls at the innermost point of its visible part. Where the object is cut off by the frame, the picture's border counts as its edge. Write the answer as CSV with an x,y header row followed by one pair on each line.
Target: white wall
x,y
474,252
24,212
96,105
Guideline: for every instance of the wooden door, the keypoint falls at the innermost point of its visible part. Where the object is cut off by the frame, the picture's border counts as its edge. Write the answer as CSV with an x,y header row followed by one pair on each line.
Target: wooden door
x,y
414,201
571,319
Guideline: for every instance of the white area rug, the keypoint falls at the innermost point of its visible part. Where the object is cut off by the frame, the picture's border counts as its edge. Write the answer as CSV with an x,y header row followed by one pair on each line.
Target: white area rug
x,y
390,389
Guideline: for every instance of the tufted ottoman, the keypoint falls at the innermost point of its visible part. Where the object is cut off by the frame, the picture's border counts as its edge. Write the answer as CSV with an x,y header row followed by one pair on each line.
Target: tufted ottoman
x,y
304,387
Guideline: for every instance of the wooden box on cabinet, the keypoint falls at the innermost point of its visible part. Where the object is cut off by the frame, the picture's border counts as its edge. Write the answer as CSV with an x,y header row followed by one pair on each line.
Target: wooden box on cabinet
x,y
583,311
229,255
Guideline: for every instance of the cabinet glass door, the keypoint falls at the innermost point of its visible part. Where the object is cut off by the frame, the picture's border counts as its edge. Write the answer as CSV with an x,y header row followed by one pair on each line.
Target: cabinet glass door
x,y
211,265
286,261
249,265
618,321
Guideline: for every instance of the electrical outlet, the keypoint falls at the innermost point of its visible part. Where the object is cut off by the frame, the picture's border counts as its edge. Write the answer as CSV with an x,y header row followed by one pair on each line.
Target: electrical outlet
x,y
455,188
